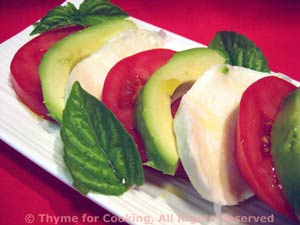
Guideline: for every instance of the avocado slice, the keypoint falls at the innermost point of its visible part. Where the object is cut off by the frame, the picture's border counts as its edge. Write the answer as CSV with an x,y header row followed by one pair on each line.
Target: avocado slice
x,y
285,139
153,112
59,60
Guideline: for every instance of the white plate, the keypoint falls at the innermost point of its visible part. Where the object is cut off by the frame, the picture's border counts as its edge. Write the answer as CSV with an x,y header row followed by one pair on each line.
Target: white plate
x,y
161,200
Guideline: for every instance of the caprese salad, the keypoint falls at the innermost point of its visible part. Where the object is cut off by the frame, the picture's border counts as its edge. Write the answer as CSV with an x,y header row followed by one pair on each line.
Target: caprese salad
x,y
124,101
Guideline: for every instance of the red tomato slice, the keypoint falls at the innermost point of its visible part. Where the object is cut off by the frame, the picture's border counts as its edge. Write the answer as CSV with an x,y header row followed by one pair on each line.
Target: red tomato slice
x,y
259,106
123,83
25,68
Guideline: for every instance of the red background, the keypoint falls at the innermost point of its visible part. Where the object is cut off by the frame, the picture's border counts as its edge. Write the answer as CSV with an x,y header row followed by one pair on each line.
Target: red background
x,y
273,25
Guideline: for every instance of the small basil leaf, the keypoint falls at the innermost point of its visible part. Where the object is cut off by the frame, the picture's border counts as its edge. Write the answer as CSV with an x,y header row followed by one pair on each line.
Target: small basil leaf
x,y
100,7
93,12
90,12
99,153
238,50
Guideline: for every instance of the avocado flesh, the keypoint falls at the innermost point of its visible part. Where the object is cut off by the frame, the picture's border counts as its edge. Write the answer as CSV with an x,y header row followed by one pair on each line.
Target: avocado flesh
x,y
285,139
59,60
153,112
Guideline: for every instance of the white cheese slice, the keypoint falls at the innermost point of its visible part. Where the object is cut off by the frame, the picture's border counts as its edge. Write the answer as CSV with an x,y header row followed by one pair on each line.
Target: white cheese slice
x,y
205,125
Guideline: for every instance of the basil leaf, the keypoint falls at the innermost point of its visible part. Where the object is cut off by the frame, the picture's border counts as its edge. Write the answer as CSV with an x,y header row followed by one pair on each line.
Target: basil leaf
x,y
238,50
58,17
90,12
99,153
93,12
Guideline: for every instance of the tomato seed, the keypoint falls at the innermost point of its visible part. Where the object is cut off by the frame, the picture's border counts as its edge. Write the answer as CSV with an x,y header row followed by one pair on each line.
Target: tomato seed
x,y
266,144
266,139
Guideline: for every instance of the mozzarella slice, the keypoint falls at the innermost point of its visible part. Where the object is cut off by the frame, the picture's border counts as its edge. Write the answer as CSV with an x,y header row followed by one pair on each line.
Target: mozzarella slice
x,y
91,71
205,125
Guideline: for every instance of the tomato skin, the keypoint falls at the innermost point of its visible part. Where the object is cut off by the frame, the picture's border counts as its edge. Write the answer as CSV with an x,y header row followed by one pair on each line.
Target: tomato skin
x,y
25,68
259,106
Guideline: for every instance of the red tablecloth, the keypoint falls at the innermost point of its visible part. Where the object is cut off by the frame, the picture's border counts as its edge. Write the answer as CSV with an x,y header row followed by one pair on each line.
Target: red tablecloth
x,y
273,25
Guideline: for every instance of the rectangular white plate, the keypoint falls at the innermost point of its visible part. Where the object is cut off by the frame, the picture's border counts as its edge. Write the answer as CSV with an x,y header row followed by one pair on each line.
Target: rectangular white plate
x,y
161,200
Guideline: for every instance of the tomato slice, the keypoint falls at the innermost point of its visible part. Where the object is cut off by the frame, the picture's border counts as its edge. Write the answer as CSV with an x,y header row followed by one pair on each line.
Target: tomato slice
x,y
25,68
123,83
259,106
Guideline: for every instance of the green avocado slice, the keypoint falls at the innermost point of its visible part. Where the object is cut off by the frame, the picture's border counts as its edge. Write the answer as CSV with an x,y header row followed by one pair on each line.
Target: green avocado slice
x,y
153,112
59,60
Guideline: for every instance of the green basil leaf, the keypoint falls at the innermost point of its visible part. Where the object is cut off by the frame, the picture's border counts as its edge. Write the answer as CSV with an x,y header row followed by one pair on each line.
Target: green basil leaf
x,y
101,7
238,50
99,153
90,12
58,17
93,12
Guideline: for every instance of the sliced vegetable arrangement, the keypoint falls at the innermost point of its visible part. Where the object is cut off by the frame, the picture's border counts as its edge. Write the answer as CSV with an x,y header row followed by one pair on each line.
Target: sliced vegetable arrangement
x,y
25,68
57,63
155,99
124,101
123,83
